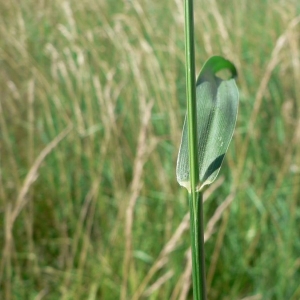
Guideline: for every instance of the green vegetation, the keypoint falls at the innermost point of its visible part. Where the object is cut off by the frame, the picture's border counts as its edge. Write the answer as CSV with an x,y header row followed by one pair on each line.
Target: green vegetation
x,y
207,131
188,158
91,111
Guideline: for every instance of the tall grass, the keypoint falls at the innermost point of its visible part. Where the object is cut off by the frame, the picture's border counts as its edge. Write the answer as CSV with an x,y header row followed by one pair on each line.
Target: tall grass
x,y
91,110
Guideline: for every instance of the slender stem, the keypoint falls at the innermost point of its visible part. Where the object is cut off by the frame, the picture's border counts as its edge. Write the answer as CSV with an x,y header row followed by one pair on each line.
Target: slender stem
x,y
191,91
196,206
197,239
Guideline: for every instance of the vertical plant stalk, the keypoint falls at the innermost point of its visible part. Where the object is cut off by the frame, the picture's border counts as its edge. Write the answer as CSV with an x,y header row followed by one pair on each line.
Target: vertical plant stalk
x,y
195,198
197,245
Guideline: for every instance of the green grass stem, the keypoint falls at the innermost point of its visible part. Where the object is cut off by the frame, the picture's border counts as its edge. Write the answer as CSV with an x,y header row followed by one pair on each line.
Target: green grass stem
x,y
196,210
197,240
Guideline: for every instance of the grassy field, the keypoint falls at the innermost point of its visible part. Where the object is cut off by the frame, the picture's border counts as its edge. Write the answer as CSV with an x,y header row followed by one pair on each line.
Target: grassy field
x,y
91,111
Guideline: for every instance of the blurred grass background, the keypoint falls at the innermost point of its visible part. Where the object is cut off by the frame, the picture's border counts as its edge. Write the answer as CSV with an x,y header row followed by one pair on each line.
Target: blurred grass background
x,y
91,111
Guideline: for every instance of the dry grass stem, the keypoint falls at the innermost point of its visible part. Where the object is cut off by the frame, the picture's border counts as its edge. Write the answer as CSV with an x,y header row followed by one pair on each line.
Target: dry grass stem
x,y
273,62
143,150
186,279
158,283
216,217
32,175
218,246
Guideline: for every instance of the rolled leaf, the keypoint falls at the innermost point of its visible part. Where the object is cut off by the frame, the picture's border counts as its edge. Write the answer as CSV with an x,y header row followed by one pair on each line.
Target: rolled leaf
x,y
217,107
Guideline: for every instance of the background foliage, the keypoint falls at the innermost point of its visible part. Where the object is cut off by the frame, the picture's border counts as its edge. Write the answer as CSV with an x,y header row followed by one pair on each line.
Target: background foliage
x,y
91,111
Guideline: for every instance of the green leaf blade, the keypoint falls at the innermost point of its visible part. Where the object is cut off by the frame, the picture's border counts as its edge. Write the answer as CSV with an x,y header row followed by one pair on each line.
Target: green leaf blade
x,y
217,106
